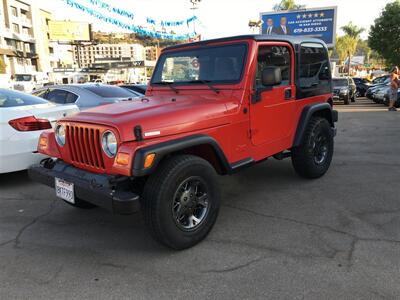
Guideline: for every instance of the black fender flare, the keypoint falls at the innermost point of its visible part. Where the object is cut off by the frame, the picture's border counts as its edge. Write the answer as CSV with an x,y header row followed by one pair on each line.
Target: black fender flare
x,y
308,111
164,148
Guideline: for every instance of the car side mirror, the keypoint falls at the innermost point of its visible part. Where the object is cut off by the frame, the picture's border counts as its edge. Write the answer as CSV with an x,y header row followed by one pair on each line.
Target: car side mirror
x,y
271,76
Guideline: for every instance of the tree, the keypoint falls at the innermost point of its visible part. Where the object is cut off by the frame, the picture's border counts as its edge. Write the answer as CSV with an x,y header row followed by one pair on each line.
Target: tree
x,y
2,66
288,5
346,46
384,35
353,30
351,40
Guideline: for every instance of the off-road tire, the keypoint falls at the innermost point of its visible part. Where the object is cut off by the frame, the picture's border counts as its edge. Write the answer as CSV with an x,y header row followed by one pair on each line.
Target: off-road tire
x,y
79,203
304,157
159,194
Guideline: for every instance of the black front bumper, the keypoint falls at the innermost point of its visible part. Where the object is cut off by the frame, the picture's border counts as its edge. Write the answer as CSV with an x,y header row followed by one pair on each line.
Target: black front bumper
x,y
110,192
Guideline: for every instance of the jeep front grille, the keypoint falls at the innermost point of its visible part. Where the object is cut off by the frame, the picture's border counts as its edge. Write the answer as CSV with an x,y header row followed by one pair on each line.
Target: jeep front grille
x,y
84,146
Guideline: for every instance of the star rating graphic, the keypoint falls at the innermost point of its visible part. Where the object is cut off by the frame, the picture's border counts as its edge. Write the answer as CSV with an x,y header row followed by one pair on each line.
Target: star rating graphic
x,y
310,15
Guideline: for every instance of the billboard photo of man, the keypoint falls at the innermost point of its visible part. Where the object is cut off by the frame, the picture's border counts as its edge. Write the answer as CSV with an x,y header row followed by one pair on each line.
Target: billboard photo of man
x,y
282,29
270,27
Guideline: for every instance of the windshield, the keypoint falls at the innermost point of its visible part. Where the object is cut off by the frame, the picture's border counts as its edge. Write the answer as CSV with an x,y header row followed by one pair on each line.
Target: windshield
x,y
23,77
11,98
109,91
340,82
215,64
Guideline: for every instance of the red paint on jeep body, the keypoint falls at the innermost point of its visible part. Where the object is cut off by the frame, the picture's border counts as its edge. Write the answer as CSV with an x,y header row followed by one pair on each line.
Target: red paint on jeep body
x,y
241,129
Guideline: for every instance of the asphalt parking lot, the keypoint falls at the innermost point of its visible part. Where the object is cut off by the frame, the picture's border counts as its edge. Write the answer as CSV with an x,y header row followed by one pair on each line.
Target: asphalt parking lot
x,y
277,236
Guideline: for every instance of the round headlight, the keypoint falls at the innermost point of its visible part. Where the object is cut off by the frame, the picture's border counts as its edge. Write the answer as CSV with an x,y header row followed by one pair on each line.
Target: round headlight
x,y
109,143
60,135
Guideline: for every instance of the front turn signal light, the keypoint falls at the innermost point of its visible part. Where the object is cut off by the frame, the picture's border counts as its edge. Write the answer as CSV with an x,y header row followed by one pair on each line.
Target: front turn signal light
x,y
148,162
43,142
122,159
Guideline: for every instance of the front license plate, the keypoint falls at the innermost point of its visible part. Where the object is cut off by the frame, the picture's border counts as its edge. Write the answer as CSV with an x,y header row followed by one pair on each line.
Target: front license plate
x,y
65,190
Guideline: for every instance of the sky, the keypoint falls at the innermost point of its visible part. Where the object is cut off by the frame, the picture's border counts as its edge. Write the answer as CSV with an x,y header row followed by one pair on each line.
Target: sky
x,y
218,17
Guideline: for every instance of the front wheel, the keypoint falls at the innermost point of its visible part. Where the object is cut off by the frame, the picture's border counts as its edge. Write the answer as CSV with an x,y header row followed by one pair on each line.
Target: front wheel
x,y
181,201
313,157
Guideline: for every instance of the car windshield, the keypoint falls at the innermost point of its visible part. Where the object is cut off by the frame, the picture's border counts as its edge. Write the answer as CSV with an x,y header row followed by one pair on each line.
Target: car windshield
x,y
340,82
23,77
110,91
11,98
213,64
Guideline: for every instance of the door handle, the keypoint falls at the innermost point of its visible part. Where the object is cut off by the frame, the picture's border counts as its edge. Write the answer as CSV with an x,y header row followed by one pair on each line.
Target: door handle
x,y
288,93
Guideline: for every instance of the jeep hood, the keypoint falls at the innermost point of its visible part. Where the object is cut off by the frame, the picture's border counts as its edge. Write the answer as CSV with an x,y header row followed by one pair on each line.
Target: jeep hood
x,y
157,115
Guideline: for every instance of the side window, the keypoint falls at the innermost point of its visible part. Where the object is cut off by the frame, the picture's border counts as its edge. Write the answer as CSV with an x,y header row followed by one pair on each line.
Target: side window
x,y
273,56
71,98
41,94
57,96
314,71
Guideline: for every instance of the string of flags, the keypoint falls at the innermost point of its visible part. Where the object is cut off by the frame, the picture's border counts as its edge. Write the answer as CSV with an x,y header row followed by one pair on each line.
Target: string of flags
x,y
130,27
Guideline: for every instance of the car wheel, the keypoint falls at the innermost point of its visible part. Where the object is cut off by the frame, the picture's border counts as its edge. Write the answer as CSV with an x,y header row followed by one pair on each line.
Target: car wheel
x,y
79,203
313,157
181,201
346,100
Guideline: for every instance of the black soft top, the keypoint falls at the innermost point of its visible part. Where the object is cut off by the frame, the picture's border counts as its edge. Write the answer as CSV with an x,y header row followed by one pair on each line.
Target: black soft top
x,y
294,40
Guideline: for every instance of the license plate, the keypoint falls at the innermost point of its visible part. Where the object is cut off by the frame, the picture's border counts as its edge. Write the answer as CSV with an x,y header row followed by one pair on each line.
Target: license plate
x,y
65,190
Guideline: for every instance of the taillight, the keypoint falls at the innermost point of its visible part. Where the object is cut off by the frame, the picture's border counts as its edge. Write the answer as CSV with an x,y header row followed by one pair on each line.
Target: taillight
x,y
30,124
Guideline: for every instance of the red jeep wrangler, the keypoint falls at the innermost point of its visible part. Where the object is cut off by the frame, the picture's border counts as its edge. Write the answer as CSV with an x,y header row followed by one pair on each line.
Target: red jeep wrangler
x,y
212,107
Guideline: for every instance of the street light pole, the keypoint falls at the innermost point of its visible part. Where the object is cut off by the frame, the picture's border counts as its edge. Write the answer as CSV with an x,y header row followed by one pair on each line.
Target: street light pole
x,y
193,8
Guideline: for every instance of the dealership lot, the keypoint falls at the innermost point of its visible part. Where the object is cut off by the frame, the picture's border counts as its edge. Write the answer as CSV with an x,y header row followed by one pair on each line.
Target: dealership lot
x,y
277,236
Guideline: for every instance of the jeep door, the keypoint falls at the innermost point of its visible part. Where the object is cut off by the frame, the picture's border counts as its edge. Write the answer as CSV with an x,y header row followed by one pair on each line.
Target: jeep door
x,y
272,107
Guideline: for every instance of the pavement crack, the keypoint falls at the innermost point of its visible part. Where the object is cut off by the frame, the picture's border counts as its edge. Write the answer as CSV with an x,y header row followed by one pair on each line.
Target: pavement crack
x,y
234,268
17,238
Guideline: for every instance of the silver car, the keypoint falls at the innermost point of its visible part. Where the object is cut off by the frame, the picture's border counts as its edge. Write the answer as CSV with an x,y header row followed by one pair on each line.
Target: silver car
x,y
86,95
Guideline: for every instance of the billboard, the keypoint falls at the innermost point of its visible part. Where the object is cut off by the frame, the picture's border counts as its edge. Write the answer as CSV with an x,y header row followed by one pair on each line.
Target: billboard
x,y
314,22
66,31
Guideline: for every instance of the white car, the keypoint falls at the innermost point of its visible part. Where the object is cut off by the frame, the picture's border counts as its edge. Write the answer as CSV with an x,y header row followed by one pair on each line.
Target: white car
x,y
22,118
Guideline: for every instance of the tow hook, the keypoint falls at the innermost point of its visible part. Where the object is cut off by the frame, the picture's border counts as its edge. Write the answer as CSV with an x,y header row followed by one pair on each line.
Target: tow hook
x,y
48,163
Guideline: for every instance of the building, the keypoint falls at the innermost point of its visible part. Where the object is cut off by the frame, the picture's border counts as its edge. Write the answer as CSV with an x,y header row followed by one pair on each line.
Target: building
x,y
152,53
17,42
90,55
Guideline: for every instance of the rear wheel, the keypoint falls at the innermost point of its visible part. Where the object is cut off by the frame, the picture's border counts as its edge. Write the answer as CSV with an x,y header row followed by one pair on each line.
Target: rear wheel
x,y
181,201
313,157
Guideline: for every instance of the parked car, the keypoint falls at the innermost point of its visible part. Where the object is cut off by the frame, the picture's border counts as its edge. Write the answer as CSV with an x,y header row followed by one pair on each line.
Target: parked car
x,y
378,95
386,99
86,95
139,88
362,86
163,154
374,87
23,118
344,89
29,82
380,79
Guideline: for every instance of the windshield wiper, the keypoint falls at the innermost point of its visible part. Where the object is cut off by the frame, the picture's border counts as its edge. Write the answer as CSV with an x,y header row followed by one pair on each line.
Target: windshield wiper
x,y
206,82
169,84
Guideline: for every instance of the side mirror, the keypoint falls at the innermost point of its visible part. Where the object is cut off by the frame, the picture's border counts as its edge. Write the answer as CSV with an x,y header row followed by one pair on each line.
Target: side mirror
x,y
271,76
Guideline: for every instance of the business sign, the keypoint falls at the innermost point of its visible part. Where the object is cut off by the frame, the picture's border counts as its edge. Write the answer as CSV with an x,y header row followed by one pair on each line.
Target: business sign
x,y
63,69
67,31
315,22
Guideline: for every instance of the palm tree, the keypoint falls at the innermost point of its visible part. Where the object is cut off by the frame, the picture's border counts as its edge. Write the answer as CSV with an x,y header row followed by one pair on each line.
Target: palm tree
x,y
353,30
352,37
288,5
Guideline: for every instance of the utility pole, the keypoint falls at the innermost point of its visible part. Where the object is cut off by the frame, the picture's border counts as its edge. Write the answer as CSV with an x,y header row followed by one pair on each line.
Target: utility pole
x,y
194,8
